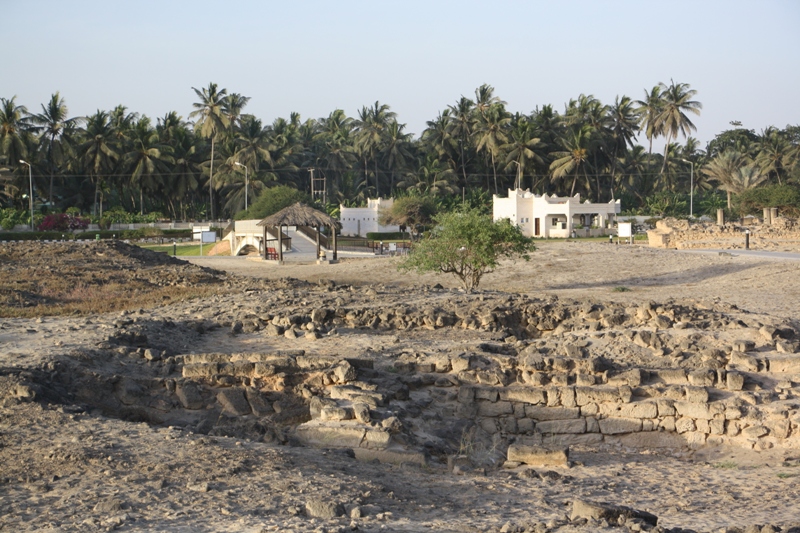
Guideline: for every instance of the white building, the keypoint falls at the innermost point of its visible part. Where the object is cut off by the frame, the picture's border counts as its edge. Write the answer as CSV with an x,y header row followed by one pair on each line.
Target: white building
x,y
555,216
363,220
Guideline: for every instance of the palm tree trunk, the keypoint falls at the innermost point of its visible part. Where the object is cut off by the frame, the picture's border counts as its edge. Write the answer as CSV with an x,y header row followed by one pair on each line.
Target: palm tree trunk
x,y
377,185
494,171
141,199
666,151
211,179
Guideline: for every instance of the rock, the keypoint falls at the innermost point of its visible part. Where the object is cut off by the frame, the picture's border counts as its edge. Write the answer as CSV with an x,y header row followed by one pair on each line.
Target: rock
x,y
734,381
538,456
152,354
324,509
273,331
233,401
392,424
611,513
189,394
361,412
613,426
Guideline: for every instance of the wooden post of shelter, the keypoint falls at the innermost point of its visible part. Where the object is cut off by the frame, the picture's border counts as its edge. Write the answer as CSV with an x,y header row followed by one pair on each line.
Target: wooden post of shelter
x,y
280,243
264,244
318,238
335,244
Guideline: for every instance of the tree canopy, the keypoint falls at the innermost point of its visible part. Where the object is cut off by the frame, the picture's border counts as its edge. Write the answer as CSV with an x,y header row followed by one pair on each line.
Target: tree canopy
x,y
469,245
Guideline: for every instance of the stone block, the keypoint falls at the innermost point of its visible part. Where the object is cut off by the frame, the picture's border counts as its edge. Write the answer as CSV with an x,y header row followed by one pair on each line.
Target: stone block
x,y
609,513
233,402
258,402
562,426
508,424
716,426
670,376
754,432
551,413
734,381
667,423
525,425
701,425
323,509
648,440
566,396
201,370
487,394
330,435
665,407
612,426
695,439
538,456
744,345
376,439
684,425
631,378
395,457
316,362
696,394
466,394
702,378
590,409
527,395
572,439
585,395
630,410
695,410
790,365
490,409
780,429
743,361
335,413
592,426
190,395
459,364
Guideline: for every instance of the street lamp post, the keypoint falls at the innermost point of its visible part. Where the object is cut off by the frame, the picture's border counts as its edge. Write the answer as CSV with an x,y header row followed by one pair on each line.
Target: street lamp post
x,y
691,187
30,180
245,182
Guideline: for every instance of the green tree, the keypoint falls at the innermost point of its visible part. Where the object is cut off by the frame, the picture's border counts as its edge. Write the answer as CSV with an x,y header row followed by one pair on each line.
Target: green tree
x,y
147,159
97,152
211,120
51,124
412,211
672,118
468,245
14,132
491,134
271,201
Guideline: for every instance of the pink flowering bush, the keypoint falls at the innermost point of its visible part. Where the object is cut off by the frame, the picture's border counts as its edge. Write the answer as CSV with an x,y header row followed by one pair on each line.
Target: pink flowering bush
x,y
63,222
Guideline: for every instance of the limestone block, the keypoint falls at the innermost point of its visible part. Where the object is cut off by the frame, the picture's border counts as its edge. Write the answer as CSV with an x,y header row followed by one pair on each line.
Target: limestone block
x,y
189,393
585,380
529,395
590,409
701,426
525,425
609,513
779,428
744,346
613,426
666,407
567,397
316,362
696,394
733,413
330,434
753,432
335,413
667,423
459,364
631,378
768,333
258,402
734,381
648,440
670,376
744,361
376,439
630,410
488,394
553,397
202,370
586,395
562,426
466,395
323,508
592,426
684,425
551,413
625,394
489,425
361,413
702,411
716,426
494,409
784,364
785,347
508,424
538,456
732,428
396,457
233,401
702,378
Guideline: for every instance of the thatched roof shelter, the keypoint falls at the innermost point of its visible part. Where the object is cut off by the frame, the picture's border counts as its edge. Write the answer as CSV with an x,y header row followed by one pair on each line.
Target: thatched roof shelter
x,y
299,215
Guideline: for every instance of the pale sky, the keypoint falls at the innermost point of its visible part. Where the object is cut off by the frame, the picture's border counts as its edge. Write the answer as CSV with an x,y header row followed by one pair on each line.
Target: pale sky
x,y
743,57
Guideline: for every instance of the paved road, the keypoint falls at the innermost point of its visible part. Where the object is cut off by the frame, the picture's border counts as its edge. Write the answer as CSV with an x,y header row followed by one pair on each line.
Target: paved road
x,y
791,256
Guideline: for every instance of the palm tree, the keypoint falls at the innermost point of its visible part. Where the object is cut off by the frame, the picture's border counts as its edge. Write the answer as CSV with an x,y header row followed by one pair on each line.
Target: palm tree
x,y
184,179
574,158
649,110
370,129
211,119
724,168
431,178
623,122
462,125
672,118
521,149
774,153
491,134
396,152
14,131
147,159
232,106
97,152
636,178
51,123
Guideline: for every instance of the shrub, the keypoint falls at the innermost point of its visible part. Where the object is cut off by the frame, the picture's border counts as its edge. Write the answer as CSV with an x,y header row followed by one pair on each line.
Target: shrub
x,y
387,236
271,201
785,197
63,222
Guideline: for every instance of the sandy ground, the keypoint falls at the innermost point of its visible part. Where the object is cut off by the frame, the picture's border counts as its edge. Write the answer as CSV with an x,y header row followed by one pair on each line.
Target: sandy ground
x,y
597,271
63,468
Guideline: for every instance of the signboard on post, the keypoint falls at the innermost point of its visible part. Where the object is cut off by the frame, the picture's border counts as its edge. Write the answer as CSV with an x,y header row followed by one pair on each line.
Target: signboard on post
x,y
207,236
625,231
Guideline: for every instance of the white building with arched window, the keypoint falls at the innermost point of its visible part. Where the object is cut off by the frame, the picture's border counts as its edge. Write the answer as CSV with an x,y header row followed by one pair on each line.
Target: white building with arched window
x,y
556,216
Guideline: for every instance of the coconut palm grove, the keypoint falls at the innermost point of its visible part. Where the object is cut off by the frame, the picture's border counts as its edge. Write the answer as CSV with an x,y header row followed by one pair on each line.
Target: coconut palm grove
x,y
121,166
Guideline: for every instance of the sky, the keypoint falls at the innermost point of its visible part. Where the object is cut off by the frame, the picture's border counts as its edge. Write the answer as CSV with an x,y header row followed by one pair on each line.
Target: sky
x,y
312,57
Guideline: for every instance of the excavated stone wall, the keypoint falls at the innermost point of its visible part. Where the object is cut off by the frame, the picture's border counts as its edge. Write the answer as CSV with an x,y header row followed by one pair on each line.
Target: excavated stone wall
x,y
782,233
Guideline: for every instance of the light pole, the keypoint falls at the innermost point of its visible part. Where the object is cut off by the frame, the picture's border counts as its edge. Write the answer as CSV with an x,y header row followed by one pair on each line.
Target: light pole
x,y
30,180
245,182
691,188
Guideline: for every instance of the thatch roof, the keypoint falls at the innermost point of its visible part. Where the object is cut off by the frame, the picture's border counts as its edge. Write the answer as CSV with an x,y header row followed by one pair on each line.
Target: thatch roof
x,y
299,215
